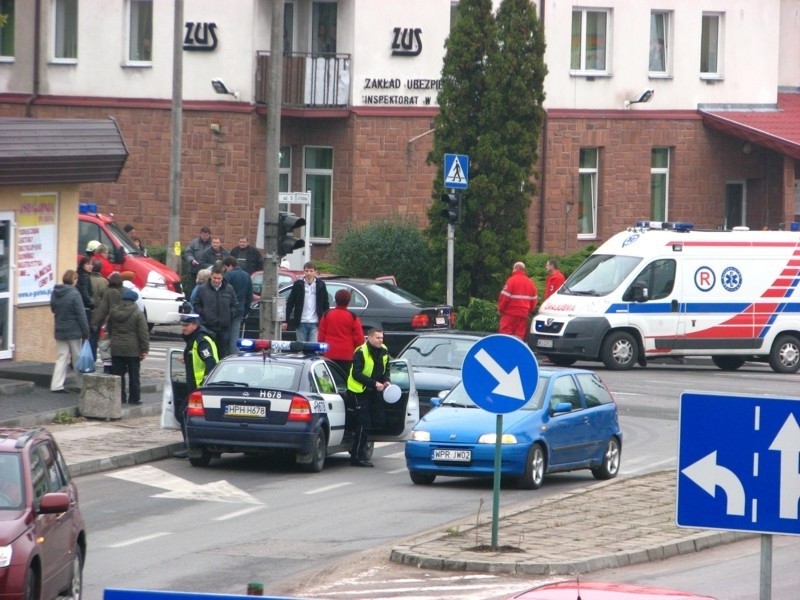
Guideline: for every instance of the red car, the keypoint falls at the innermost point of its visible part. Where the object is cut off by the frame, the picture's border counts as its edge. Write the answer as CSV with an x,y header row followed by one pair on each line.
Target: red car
x,y
593,590
42,533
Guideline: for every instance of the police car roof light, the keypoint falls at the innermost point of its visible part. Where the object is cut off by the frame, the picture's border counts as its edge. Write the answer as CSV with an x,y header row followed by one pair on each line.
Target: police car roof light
x,y
249,345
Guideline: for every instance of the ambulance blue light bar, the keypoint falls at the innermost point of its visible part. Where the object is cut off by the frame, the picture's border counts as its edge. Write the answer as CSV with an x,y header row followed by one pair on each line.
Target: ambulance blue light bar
x,y
248,345
666,225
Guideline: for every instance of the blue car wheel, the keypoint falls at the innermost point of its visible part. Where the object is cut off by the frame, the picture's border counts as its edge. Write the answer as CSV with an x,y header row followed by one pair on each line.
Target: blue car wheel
x,y
611,459
534,469
421,478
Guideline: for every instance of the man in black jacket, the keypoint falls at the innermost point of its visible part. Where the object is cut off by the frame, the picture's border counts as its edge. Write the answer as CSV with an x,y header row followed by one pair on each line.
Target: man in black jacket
x,y
249,258
216,304
307,302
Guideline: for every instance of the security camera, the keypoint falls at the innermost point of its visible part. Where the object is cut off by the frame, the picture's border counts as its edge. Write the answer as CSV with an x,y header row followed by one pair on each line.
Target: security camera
x,y
221,88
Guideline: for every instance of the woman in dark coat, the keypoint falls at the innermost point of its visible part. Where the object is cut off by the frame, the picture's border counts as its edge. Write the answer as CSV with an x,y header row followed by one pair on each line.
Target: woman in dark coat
x,y
130,343
85,284
70,327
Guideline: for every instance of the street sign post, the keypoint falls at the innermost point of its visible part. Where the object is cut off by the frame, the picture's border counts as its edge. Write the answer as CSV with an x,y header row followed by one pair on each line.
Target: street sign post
x,y
500,374
738,459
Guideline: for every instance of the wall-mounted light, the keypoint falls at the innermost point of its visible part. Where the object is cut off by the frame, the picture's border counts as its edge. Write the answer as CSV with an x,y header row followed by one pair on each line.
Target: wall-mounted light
x,y
645,96
746,148
220,87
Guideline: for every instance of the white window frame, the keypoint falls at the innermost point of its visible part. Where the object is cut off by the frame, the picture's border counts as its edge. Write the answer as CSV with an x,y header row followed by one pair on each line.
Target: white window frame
x,y
285,171
666,39
593,176
131,62
659,172
325,173
582,69
715,73
59,23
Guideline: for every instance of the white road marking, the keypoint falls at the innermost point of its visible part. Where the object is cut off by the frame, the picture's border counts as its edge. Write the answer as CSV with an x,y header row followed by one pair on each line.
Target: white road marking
x,y
239,513
328,488
144,538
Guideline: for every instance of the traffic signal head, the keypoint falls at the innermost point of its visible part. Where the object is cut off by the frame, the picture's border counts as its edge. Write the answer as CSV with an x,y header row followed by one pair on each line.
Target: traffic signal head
x,y
453,211
287,241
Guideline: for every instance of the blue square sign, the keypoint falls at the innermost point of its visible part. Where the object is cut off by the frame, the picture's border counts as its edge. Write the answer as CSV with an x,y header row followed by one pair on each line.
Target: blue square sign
x,y
738,459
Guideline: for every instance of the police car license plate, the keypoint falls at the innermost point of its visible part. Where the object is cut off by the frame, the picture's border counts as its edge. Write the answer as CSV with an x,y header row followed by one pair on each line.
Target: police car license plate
x,y
543,343
452,455
245,410
440,321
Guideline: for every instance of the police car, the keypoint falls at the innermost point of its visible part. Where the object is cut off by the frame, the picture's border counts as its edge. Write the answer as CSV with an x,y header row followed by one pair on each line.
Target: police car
x,y
279,396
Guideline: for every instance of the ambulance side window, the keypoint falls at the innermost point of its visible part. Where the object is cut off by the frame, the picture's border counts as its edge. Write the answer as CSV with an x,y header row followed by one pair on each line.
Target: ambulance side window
x,y
658,278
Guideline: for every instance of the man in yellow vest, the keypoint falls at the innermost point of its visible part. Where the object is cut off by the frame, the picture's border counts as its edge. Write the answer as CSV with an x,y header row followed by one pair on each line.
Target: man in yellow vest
x,y
369,375
199,356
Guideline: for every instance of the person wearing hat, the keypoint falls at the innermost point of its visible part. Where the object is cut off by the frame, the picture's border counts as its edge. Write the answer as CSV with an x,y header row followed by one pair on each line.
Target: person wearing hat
x,y
130,343
367,379
101,252
342,331
199,357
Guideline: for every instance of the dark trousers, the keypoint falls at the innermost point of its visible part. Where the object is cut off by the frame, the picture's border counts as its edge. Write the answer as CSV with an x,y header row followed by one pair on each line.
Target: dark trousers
x,y
368,416
122,365
94,337
222,340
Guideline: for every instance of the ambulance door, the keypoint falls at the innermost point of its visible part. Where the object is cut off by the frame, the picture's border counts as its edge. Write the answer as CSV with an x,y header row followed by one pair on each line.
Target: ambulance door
x,y
654,305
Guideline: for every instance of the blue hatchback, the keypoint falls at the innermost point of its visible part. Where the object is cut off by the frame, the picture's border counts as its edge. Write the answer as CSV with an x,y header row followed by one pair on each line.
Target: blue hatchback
x,y
570,423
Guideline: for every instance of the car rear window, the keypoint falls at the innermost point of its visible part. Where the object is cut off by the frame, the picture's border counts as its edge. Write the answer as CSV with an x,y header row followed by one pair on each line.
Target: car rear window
x,y
392,293
259,374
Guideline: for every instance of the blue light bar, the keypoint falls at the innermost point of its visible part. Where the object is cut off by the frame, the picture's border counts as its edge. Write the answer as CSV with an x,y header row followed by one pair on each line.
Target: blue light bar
x,y
666,225
250,345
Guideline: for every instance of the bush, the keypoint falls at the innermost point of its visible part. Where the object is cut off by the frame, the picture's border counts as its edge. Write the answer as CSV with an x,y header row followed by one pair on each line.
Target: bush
x,y
478,315
388,247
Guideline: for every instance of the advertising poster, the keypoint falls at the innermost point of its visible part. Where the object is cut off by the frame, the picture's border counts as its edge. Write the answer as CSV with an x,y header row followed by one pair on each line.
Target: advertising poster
x,y
36,248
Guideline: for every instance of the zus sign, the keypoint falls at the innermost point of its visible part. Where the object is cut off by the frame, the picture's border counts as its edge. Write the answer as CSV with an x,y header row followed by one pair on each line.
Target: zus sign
x,y
197,37
407,41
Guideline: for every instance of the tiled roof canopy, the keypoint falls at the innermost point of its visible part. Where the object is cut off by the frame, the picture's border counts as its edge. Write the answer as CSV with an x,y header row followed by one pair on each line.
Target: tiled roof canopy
x,y
777,129
36,151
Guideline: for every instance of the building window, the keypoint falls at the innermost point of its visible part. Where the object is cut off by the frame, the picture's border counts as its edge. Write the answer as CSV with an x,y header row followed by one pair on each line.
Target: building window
x,y
285,170
659,184
7,28
323,27
589,40
710,44
587,200
66,30
318,175
659,42
288,27
140,48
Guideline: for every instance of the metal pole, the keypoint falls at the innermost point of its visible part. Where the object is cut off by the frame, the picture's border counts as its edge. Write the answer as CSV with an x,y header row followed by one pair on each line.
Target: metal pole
x,y
270,325
174,235
451,232
765,588
498,455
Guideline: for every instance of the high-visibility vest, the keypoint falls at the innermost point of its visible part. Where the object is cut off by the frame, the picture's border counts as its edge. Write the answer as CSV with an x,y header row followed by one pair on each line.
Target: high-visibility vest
x,y
369,366
198,365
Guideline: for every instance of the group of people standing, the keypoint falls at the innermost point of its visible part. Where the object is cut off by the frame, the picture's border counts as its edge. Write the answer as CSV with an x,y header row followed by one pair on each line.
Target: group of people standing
x,y
519,297
92,299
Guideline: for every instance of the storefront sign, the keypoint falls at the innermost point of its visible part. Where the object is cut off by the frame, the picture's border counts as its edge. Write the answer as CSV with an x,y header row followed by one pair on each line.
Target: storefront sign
x,y
197,37
36,248
397,92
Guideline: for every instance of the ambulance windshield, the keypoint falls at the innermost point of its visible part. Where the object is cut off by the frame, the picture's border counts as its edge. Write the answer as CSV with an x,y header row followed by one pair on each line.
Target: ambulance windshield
x,y
600,274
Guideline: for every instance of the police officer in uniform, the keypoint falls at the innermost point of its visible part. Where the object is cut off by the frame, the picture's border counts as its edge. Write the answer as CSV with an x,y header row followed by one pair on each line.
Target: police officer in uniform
x,y
369,375
199,356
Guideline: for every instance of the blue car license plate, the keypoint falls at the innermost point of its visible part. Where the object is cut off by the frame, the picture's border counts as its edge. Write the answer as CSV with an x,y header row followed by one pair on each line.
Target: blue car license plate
x,y
245,410
448,455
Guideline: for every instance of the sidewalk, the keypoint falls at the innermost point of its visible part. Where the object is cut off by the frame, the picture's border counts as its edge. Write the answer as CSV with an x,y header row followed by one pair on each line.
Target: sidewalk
x,y
609,524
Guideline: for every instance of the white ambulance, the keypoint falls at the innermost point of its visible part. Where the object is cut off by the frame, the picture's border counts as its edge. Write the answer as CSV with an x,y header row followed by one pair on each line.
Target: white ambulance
x,y
663,289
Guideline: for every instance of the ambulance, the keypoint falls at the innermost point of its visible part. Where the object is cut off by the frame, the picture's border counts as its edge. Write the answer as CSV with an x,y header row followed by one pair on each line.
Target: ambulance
x,y
666,290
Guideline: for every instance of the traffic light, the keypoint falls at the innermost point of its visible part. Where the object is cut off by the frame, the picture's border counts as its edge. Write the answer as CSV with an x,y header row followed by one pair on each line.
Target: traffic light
x,y
453,211
287,241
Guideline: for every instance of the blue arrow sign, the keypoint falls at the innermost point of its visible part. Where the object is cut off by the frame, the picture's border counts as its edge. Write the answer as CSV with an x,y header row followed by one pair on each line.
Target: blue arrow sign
x,y
738,459
456,171
500,373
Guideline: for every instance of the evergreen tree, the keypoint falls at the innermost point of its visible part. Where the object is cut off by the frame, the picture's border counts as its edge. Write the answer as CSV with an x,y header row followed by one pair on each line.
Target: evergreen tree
x,y
491,109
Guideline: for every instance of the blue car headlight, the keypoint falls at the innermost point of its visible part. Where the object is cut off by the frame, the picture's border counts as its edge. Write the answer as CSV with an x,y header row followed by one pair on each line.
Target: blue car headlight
x,y
491,438
419,435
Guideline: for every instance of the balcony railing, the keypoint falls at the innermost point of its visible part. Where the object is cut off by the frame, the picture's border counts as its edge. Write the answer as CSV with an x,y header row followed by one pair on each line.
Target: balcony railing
x,y
309,80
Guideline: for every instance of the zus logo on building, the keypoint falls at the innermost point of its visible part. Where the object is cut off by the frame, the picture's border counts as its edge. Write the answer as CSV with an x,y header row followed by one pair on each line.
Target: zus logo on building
x,y
407,42
197,37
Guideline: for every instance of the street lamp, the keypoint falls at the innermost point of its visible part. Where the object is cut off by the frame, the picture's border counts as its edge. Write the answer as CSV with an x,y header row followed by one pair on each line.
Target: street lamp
x,y
220,87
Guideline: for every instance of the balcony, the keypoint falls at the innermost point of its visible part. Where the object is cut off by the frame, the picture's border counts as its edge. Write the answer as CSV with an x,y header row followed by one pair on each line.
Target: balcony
x,y
309,80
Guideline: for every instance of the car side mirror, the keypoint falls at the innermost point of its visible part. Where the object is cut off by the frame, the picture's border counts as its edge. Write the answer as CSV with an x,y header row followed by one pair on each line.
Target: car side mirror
x,y
640,293
56,502
561,407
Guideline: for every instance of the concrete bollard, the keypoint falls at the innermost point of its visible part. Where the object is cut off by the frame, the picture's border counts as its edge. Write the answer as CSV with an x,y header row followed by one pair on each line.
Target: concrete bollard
x,y
100,396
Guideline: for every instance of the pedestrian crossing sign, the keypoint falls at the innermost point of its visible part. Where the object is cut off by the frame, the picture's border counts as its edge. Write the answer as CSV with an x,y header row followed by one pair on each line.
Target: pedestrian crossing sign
x,y
456,171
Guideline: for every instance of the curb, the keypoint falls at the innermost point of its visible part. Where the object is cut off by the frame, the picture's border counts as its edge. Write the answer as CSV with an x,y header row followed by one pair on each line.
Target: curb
x,y
109,463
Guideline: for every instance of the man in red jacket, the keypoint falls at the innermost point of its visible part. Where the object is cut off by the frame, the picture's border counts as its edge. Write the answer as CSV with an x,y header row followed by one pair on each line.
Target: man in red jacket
x,y
516,302
555,278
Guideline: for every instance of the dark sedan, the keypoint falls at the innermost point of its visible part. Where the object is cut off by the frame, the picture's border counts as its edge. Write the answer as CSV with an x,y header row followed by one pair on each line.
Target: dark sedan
x,y
436,360
400,314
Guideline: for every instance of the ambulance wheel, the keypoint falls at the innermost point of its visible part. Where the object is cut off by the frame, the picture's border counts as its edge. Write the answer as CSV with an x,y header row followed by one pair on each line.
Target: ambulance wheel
x,y
727,363
785,354
619,351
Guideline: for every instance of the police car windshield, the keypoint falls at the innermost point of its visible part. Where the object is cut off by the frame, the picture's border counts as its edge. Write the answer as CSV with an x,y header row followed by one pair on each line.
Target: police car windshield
x,y
599,275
